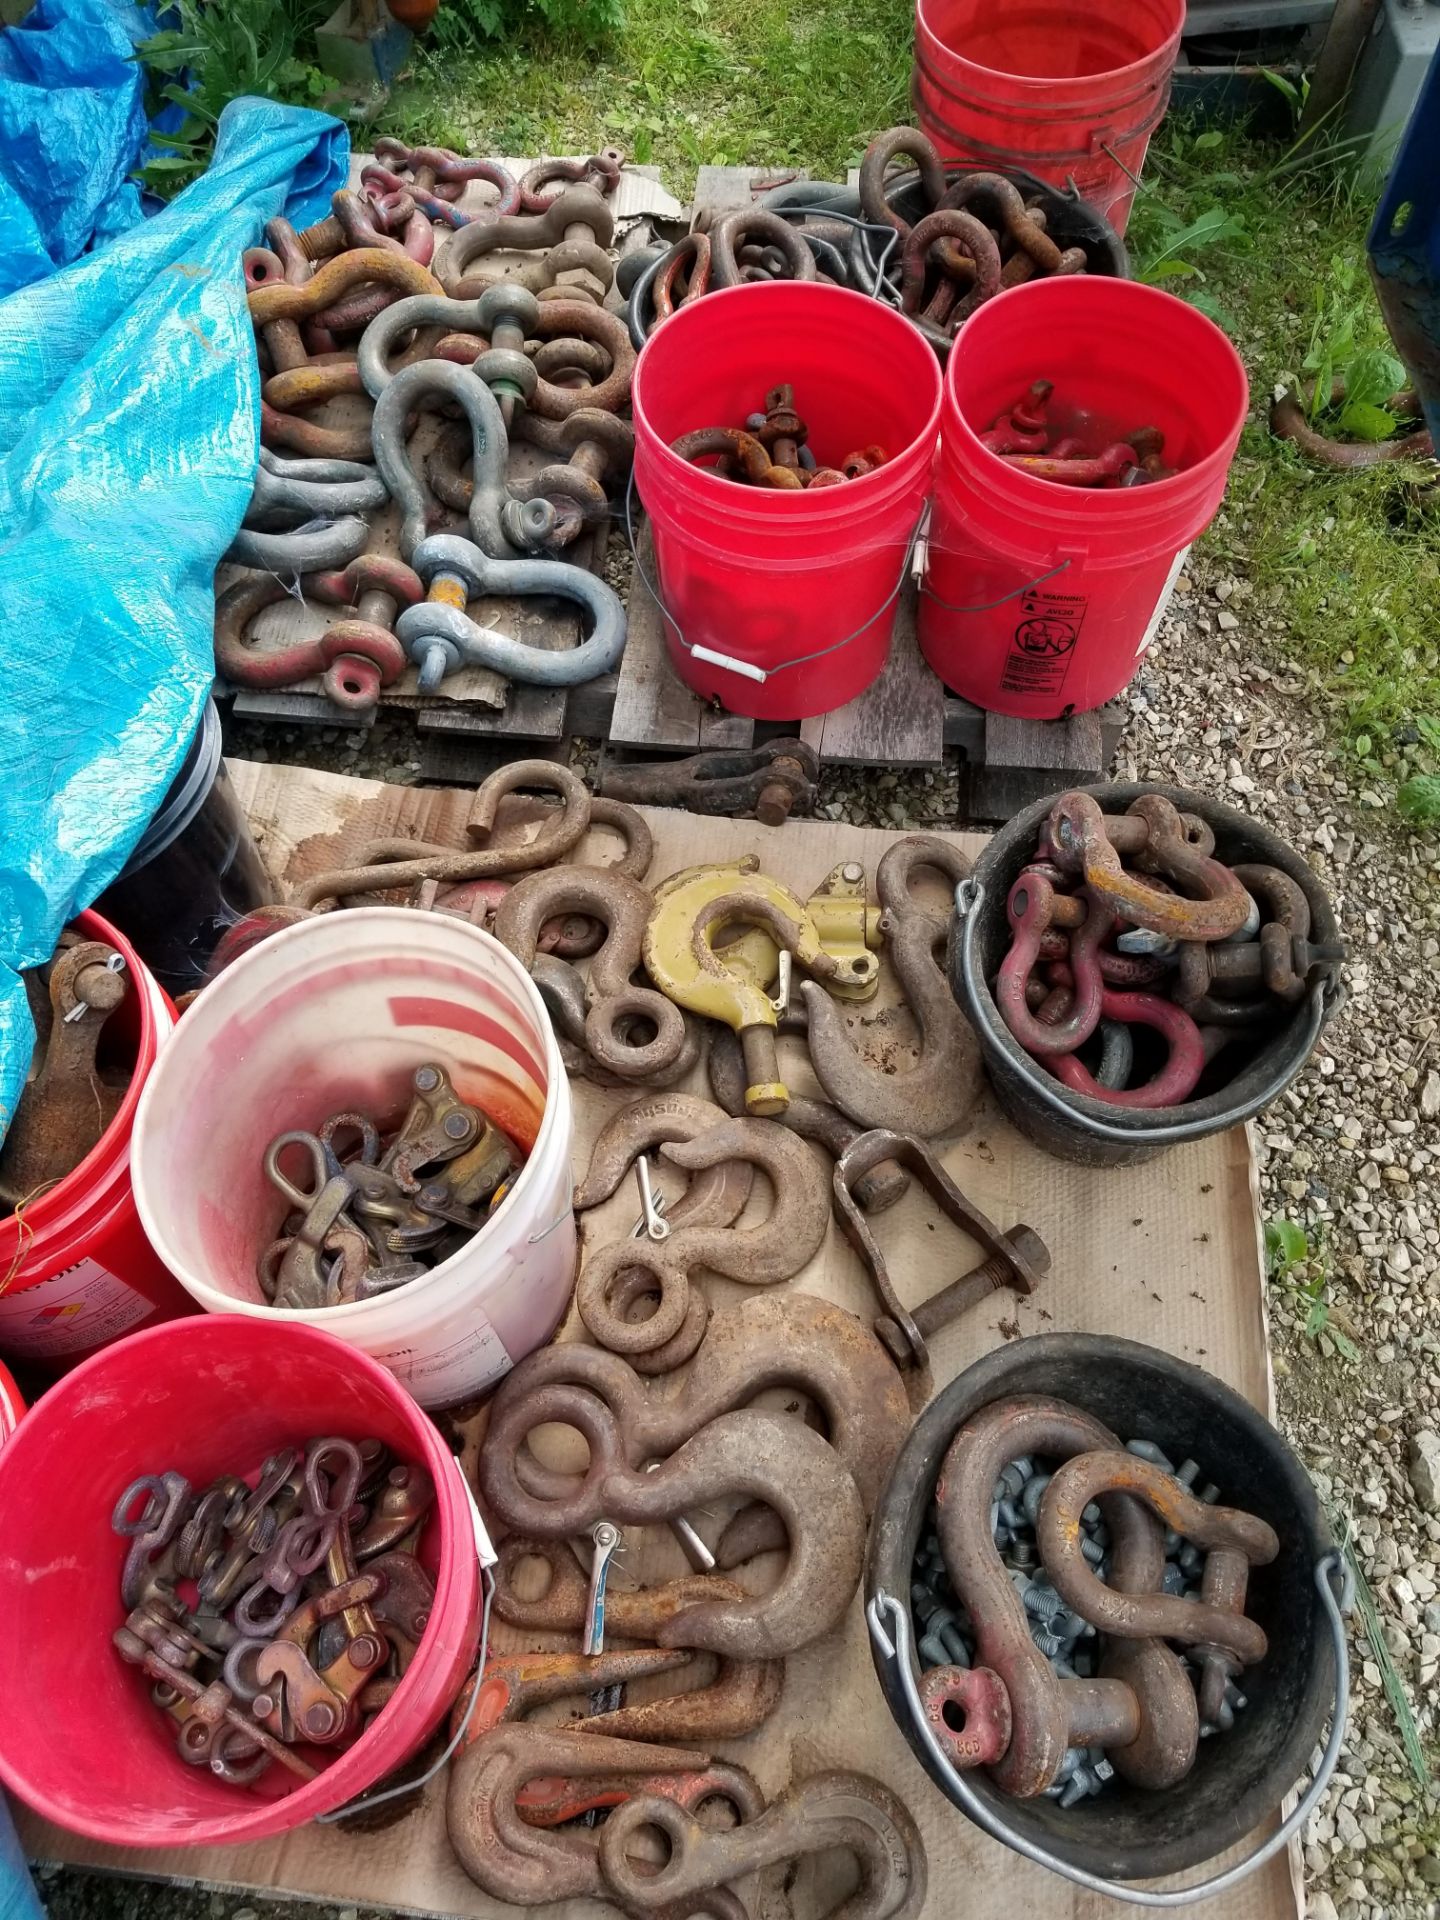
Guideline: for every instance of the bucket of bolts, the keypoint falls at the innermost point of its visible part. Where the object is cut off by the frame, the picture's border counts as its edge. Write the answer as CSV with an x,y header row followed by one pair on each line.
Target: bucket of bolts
x,y
1105,1610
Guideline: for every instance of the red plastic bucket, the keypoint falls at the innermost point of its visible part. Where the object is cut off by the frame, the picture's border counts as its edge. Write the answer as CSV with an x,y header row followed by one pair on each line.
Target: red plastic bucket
x,y
76,1270
205,1396
11,1406
1041,599
790,597
1070,92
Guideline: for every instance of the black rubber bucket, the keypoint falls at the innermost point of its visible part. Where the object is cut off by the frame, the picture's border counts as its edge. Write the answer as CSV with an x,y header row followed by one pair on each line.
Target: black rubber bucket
x,y
1239,1778
194,873
1069,220
1074,1126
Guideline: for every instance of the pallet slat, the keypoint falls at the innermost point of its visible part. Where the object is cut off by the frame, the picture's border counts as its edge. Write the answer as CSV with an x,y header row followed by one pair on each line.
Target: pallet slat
x,y
899,721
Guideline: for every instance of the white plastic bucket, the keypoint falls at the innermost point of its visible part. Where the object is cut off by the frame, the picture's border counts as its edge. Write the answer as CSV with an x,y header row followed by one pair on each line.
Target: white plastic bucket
x,y
334,1015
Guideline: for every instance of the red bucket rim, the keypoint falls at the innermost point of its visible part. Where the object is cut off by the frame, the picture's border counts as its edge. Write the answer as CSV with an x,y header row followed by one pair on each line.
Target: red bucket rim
x,y
1134,70
779,504
254,1818
1029,490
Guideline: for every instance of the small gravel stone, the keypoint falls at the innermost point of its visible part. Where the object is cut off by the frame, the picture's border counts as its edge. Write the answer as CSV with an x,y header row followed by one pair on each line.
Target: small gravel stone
x,y
1425,1470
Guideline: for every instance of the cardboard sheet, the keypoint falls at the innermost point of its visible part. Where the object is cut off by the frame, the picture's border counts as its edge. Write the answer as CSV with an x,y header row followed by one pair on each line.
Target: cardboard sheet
x,y
1167,1253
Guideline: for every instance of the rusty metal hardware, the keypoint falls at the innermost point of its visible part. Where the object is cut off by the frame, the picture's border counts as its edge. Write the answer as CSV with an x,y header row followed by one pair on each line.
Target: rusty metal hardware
x,y
898,142
829,1810
1076,470
1141,1708
598,446
356,657
793,1341
395,271
732,234
209,1703
740,1697
813,1120
437,180
758,1256
1219,905
780,1462
365,220
1289,420
67,1103
739,455
514,1683
567,320
1035,908
441,638
294,1271
647,1123
692,909
563,991
770,781
624,906
575,228
684,277
454,866
528,1865
713,1199
1215,982
1018,1258
973,257
939,1093
287,1635
601,171
1216,1627
1172,1084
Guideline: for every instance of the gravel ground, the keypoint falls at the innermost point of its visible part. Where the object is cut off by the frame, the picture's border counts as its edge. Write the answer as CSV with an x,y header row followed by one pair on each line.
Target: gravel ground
x,y
1346,1155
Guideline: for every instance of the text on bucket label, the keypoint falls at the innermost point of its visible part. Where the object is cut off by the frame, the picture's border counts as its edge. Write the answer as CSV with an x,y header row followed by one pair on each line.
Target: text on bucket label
x,y
84,1306
1043,642
465,1365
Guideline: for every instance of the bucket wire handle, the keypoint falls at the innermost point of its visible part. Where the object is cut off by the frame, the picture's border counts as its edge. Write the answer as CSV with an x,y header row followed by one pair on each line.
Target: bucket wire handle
x,y
990,605
1326,997
747,668
890,1632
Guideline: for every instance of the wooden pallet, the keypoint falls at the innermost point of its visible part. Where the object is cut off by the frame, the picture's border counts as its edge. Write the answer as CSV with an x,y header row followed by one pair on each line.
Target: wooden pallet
x,y
906,720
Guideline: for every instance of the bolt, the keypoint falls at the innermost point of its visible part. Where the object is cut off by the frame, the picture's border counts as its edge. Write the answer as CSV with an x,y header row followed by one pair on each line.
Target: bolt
x,y
1190,1558
1102,1770
1034,1493
1091,1515
1076,1787
427,1079
932,1652
1210,1493
953,1642
1048,1643
1147,1450
1043,1602
1022,1554
1188,1473
1172,1543
321,1719
1070,1627
1092,1550
1173,1579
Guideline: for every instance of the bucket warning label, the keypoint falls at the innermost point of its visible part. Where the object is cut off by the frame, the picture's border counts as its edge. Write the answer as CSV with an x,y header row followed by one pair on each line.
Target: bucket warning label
x,y
439,1374
1043,642
81,1307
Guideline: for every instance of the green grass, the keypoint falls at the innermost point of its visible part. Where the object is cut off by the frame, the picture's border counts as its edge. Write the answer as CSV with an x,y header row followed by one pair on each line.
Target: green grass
x,y
1348,563
683,83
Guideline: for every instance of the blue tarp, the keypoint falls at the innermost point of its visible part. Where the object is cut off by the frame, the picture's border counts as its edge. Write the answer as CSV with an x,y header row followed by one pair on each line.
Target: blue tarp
x,y
72,120
129,430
